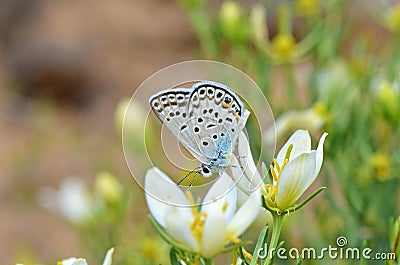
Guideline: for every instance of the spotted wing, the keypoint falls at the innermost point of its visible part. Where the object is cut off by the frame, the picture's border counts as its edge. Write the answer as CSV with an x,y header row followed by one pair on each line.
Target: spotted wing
x,y
216,117
170,106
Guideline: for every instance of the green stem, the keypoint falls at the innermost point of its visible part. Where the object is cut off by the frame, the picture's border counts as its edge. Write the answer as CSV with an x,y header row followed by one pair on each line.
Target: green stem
x,y
278,221
209,261
290,85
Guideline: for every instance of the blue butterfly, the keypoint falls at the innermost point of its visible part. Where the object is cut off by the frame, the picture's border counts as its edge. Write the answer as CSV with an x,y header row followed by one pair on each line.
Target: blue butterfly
x,y
207,120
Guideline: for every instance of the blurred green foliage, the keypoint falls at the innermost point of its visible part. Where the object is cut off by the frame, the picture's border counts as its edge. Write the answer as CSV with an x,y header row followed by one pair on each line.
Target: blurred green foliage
x,y
316,54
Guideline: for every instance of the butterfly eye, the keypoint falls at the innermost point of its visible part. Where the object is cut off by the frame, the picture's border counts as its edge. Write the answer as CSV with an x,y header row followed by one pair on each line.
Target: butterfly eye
x,y
205,170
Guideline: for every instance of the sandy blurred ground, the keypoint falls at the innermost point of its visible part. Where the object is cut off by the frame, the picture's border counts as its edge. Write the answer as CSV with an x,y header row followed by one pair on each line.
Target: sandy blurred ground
x,y
64,65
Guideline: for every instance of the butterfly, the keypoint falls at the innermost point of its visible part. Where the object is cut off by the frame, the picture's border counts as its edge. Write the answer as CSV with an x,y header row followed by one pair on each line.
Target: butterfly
x,y
206,119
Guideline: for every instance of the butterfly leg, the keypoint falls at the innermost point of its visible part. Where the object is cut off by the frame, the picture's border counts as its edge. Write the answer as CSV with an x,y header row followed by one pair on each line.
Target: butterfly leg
x,y
187,175
191,182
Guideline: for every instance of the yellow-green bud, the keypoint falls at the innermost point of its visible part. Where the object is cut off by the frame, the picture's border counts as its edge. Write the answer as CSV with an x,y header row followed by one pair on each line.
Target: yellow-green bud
x,y
389,100
382,166
283,46
233,23
258,24
307,8
108,187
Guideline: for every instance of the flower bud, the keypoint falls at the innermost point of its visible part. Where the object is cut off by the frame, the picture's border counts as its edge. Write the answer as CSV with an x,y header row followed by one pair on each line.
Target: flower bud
x,y
382,166
258,24
307,8
108,187
283,46
233,23
389,100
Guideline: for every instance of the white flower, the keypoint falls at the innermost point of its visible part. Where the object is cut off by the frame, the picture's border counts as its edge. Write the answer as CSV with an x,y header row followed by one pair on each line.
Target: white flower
x,y
294,170
243,170
205,231
310,119
80,261
71,200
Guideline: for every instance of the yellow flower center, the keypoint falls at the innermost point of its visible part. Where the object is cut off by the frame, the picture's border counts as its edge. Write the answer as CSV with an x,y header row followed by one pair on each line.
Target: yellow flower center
x,y
283,46
307,7
247,254
199,219
382,166
276,171
198,225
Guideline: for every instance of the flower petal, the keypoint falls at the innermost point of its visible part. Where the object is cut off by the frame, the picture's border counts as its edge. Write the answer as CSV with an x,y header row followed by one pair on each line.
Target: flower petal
x,y
73,261
319,157
177,225
246,215
222,196
247,161
320,153
238,176
80,262
162,194
295,178
108,258
213,238
301,141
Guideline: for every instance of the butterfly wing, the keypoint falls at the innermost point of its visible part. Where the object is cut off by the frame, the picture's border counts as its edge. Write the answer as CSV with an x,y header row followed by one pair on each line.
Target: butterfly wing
x,y
171,107
215,113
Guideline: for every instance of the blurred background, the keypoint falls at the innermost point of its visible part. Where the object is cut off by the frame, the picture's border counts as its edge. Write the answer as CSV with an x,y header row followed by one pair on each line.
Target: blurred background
x,y
64,66
68,67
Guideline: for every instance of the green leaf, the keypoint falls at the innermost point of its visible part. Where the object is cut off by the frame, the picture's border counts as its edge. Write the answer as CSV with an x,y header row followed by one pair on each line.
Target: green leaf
x,y
174,257
309,198
280,245
299,261
261,242
235,246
